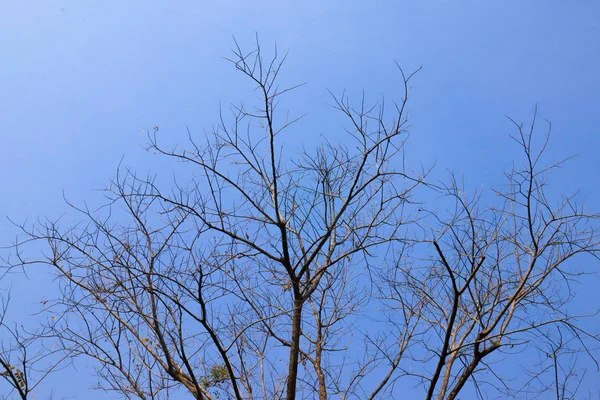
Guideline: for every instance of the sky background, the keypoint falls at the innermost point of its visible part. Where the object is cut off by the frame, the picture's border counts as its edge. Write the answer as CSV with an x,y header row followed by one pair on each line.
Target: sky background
x,y
80,81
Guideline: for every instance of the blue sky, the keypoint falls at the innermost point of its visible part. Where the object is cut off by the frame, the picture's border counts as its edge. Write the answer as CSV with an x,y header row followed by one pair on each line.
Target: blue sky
x,y
80,80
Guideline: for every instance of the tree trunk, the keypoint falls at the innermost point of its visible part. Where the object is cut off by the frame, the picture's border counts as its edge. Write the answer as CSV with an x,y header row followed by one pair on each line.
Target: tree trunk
x,y
294,348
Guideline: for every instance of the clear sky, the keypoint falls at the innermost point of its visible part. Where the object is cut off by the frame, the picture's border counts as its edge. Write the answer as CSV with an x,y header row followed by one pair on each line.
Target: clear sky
x,y
80,80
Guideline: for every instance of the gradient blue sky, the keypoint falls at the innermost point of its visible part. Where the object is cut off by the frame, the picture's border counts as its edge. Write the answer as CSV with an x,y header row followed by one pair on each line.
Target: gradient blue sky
x,y
80,80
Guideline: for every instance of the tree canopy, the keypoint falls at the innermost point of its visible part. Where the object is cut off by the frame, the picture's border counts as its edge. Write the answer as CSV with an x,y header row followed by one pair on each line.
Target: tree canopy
x,y
328,272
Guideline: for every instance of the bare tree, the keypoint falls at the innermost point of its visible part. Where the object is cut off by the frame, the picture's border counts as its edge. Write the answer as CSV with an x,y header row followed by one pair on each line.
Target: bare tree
x,y
12,370
24,360
278,274
210,286
495,280
556,369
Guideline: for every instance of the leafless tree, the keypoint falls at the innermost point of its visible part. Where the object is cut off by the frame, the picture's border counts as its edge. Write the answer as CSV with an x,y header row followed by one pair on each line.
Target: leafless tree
x,y
556,371
494,280
24,360
276,274
211,286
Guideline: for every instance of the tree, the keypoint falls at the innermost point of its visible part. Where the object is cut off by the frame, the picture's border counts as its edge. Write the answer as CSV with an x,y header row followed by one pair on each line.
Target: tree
x,y
24,360
498,277
14,373
322,275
